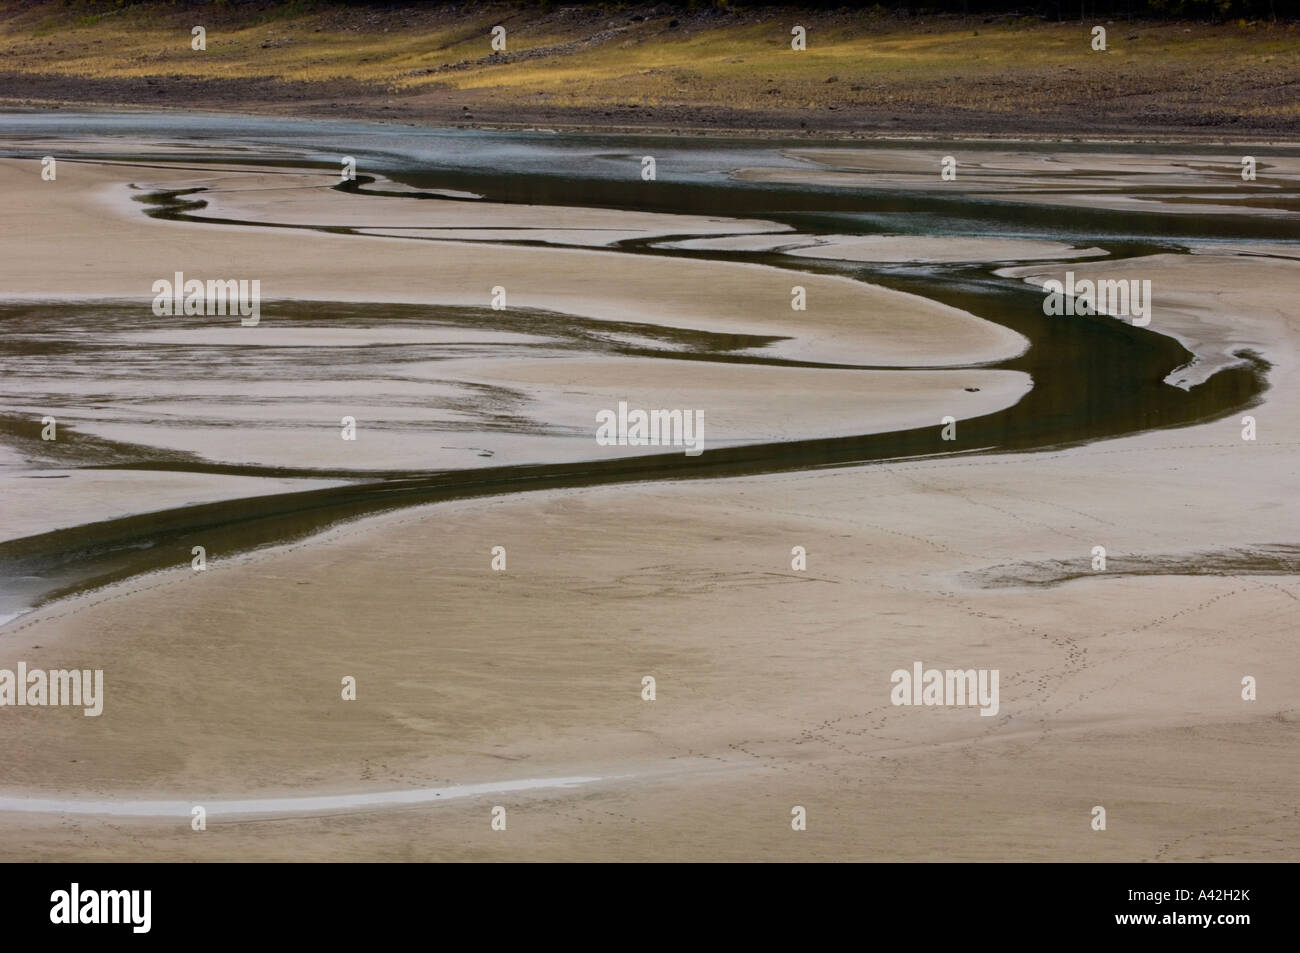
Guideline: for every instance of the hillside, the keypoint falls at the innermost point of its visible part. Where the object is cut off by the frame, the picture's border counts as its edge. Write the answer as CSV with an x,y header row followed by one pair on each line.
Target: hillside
x,y
663,67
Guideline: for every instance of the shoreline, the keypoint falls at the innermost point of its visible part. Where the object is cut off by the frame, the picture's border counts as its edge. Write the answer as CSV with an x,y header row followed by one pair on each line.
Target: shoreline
x,y
773,680
108,536
758,132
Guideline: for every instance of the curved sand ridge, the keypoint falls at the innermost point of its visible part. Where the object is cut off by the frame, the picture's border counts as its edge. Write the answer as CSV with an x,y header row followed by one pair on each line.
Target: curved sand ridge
x,y
280,806
845,322
427,415
779,677
431,421
309,198
1168,184
895,248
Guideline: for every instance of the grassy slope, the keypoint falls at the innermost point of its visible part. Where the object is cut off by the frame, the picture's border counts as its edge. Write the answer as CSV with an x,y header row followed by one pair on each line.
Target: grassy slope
x,y
574,60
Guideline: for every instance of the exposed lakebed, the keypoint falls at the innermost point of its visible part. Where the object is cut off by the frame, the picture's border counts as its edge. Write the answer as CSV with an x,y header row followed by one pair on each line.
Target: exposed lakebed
x,y
142,395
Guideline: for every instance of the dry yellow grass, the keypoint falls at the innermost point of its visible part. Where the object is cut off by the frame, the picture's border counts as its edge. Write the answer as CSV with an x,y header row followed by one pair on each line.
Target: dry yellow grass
x,y
584,58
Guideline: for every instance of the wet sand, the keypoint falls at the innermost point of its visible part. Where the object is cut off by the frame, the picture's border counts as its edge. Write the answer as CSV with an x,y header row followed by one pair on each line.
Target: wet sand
x,y
846,321
549,400
380,206
895,248
1207,184
773,685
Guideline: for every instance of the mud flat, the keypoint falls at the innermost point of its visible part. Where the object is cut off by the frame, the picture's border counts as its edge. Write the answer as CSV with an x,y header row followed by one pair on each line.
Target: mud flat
x,y
1173,184
852,322
208,390
895,248
1119,688
772,684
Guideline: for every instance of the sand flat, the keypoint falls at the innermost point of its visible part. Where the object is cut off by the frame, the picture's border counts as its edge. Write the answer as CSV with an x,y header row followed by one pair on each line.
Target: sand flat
x,y
1265,249
551,418
846,321
1175,184
38,501
65,258
895,248
312,199
773,685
